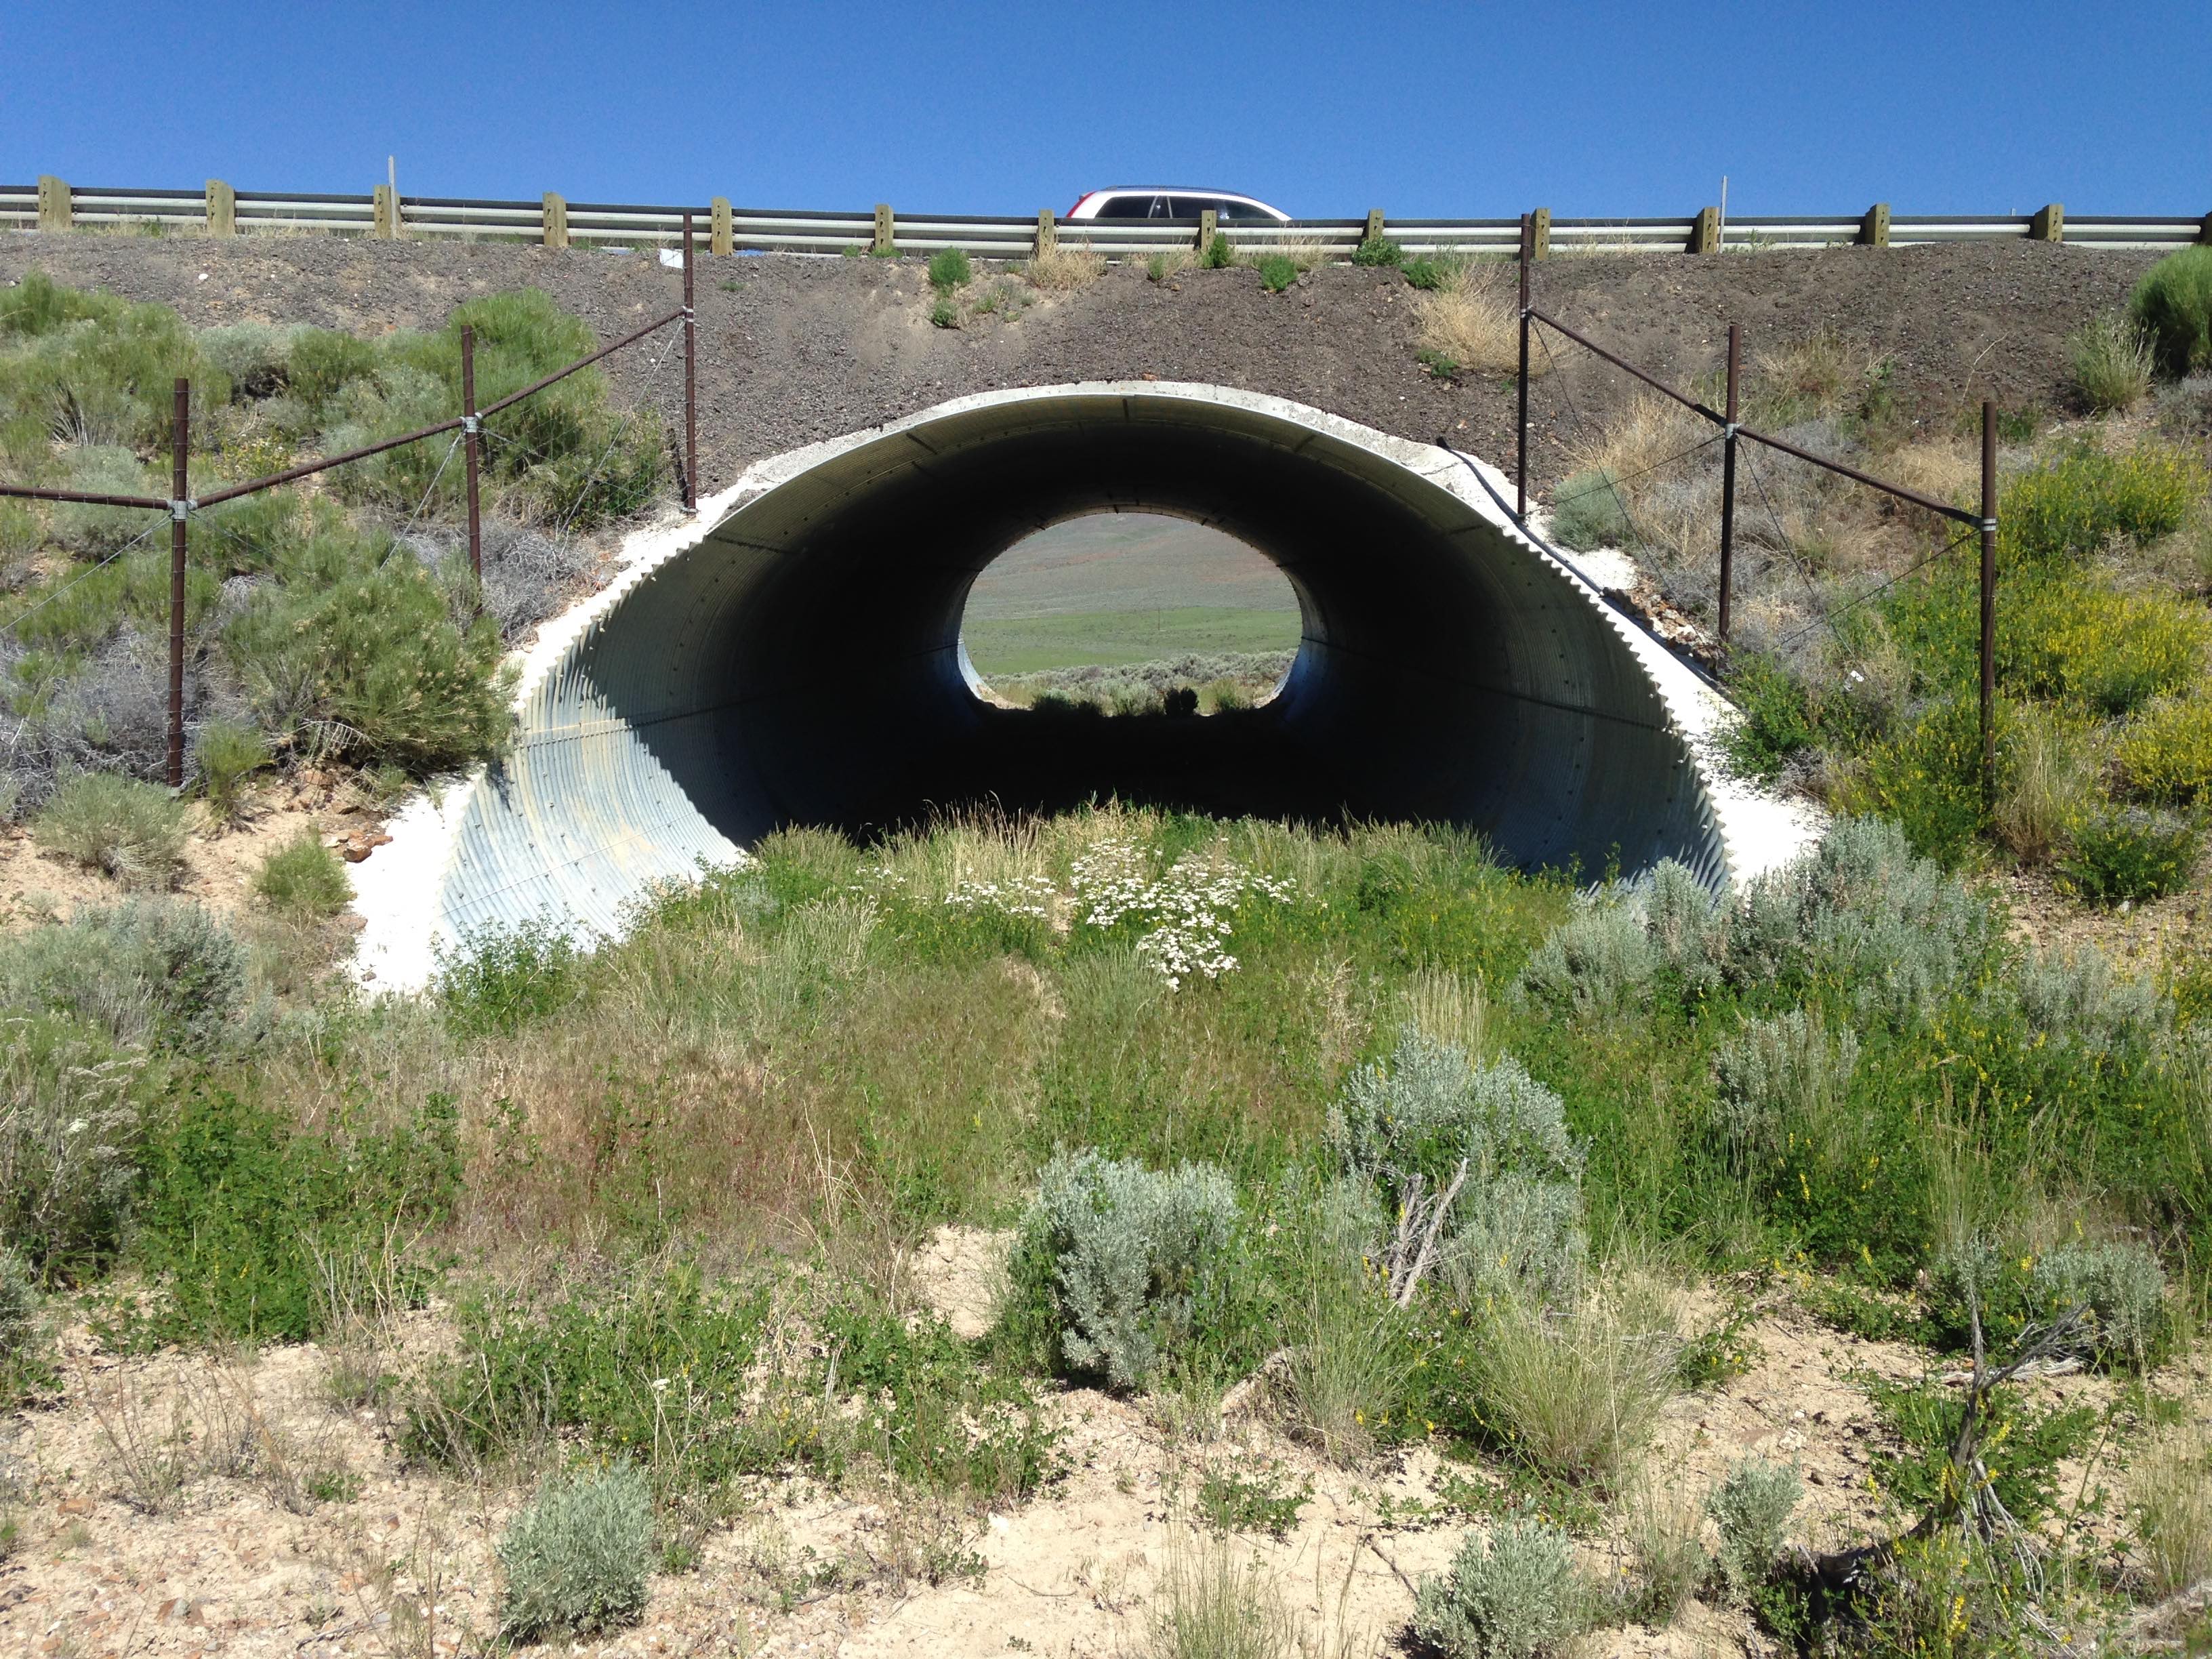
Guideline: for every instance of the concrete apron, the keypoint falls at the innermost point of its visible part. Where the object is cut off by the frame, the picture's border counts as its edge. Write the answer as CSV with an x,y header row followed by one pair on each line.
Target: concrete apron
x,y
510,843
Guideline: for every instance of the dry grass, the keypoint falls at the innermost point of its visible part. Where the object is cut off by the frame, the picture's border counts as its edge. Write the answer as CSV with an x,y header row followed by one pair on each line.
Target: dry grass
x,y
1212,1605
1648,430
1577,1393
1474,319
1069,266
1449,1007
1664,1527
2054,764
2170,1486
1950,469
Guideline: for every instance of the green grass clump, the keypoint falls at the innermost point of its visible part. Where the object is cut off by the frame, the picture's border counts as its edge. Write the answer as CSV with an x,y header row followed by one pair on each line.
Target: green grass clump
x,y
303,878
247,1216
1217,254
2166,752
1428,272
944,315
501,981
359,632
950,271
1587,512
2132,853
1277,272
577,1560
2111,362
132,830
2172,306
225,754
1378,251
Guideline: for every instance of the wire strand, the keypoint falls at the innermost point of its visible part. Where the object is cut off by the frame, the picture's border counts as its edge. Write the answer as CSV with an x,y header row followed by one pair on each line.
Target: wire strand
x,y
1880,588
652,378
10,626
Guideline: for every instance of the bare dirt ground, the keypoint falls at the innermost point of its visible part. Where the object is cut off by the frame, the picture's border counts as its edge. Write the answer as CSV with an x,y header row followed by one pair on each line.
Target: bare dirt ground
x,y
220,860
295,1528
795,349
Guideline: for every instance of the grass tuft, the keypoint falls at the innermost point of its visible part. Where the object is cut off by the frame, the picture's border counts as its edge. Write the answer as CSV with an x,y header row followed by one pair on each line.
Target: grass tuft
x,y
132,831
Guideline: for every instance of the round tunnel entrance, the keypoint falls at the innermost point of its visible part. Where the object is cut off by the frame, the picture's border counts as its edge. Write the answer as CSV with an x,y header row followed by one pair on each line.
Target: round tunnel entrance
x,y
800,662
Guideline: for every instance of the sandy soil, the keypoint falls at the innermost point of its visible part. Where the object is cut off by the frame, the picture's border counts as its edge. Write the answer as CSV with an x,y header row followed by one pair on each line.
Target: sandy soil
x,y
243,1560
220,860
795,349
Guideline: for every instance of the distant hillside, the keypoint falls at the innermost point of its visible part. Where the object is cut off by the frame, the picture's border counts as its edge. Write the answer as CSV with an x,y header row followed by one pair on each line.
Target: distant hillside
x,y
1126,562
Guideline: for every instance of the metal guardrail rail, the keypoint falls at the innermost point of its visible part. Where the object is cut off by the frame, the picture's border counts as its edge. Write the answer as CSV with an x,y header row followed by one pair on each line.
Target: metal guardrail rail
x,y
51,205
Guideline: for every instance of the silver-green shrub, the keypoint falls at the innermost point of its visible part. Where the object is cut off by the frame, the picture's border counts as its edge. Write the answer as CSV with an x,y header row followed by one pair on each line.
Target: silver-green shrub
x,y
1517,1224
1751,1507
1606,956
255,355
1863,910
2119,1282
71,1128
1136,1255
1598,959
576,1561
2078,999
1777,1076
1513,1595
147,970
107,470
1687,925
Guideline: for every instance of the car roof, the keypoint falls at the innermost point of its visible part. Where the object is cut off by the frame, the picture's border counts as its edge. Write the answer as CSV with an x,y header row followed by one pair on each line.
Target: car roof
x,y
1171,190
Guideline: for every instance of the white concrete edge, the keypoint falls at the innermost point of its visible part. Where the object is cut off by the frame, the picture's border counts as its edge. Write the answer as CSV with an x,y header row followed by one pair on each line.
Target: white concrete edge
x,y
397,890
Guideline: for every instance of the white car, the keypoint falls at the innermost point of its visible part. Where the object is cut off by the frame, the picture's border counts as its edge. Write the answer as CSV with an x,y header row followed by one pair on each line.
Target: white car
x,y
1169,201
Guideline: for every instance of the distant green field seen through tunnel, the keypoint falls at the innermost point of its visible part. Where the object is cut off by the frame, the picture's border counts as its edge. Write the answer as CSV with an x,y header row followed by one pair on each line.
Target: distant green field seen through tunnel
x,y
1125,587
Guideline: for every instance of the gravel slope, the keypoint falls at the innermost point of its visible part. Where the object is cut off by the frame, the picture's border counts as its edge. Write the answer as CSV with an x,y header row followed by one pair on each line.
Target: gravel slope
x,y
795,349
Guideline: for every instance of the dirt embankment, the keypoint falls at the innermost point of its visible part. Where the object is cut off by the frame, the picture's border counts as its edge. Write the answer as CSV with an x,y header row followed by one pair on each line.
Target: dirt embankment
x,y
794,350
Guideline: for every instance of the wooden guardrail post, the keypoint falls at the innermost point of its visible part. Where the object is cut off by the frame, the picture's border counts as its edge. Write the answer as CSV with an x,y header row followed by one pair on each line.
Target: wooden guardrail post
x,y
555,231
54,212
222,209
1874,229
1048,236
722,234
2205,232
1209,224
2048,224
886,241
1705,232
1540,234
384,218
1373,232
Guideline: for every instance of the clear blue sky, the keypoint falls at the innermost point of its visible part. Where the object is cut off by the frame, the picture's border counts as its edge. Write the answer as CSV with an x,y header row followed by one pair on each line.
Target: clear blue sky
x,y
1634,108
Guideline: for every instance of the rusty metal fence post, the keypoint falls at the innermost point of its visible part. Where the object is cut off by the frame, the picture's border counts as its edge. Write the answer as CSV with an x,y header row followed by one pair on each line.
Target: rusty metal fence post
x,y
1989,531
690,382
1521,420
179,504
1727,483
469,427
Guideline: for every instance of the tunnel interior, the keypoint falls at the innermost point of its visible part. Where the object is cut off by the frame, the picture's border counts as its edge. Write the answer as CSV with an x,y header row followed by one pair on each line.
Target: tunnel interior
x,y
802,664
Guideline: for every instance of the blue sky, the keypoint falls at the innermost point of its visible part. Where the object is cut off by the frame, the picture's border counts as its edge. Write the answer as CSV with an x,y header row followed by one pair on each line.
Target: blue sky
x,y
1423,109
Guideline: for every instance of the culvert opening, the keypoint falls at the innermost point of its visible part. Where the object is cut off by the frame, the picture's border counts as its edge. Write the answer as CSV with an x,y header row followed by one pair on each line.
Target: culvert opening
x,y
802,663
1137,615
